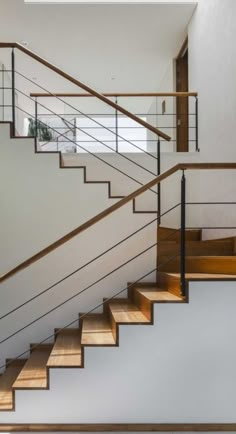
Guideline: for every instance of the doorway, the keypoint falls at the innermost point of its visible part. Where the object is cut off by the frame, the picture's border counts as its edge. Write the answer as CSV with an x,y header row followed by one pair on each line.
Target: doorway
x,y
182,106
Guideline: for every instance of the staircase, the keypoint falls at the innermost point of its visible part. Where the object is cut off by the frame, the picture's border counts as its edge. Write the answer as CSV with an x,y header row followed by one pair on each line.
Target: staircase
x,y
102,329
205,260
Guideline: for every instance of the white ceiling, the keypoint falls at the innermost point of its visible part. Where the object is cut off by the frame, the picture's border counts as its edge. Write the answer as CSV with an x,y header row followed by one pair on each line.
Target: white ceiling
x,y
110,47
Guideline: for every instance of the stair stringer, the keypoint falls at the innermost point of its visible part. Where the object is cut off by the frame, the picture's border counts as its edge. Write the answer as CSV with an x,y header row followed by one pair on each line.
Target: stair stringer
x,y
180,370
38,197
58,264
138,168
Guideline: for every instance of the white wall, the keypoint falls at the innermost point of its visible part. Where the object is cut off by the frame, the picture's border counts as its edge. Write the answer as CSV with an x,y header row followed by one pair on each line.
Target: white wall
x,y
40,203
181,370
212,71
212,63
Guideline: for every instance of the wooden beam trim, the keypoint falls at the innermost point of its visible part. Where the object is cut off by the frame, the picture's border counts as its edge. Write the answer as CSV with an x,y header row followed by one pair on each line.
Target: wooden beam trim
x,y
86,225
85,87
120,427
110,210
83,95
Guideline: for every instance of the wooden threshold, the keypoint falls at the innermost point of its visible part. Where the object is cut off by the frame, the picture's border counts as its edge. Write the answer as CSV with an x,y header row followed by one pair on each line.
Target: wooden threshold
x,y
121,427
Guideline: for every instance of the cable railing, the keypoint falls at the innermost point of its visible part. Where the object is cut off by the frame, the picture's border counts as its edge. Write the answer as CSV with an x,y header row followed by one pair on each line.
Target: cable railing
x,y
158,108
96,129
81,114
92,153
180,255
54,134
72,126
112,209
178,259
75,321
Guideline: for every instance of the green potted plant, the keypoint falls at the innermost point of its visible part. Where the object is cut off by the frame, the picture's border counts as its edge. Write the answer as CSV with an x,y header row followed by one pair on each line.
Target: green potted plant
x,y
44,133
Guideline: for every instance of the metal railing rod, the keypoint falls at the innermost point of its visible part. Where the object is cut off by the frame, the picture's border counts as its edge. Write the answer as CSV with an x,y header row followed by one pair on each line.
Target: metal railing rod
x,y
89,263
90,311
210,203
90,135
13,91
89,152
76,109
77,270
76,320
77,294
212,227
112,114
183,236
120,128
118,94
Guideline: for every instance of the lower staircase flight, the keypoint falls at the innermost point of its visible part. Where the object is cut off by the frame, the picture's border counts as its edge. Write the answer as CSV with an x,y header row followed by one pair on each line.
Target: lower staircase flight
x,y
206,260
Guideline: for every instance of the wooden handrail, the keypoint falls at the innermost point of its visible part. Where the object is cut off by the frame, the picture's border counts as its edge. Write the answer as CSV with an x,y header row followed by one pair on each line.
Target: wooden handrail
x,y
113,208
85,87
114,94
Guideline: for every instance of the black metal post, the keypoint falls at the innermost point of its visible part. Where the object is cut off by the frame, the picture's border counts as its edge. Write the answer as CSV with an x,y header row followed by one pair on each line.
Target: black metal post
x,y
13,91
196,117
117,128
182,239
36,118
3,93
159,185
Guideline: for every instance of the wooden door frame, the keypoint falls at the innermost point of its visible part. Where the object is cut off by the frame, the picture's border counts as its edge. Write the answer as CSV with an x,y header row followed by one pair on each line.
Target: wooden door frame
x,y
182,132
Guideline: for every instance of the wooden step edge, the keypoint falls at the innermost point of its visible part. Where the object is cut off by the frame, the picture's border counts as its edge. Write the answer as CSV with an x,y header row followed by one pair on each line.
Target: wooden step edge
x,y
16,364
195,234
169,283
97,315
142,321
132,286
67,331
145,305
114,325
40,349
203,264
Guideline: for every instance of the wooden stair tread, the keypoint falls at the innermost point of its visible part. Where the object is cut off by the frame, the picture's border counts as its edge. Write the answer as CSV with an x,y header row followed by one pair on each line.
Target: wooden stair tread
x,y
96,330
34,374
204,276
125,312
174,234
66,351
155,296
198,248
7,380
203,264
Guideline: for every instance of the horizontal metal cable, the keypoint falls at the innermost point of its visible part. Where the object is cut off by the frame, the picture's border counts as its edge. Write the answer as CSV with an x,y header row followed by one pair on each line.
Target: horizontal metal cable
x,y
120,128
77,270
89,312
210,203
121,115
75,321
78,293
77,110
213,227
89,152
90,135
90,262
